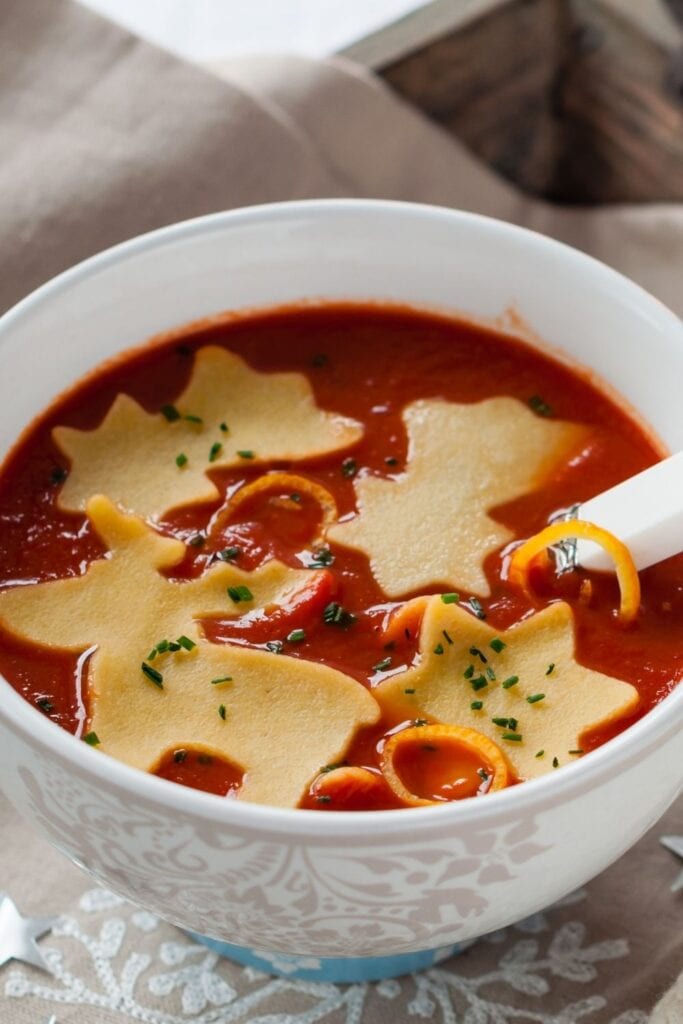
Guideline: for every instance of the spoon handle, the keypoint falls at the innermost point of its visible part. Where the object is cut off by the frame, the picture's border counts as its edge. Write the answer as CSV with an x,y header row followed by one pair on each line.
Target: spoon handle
x,y
645,512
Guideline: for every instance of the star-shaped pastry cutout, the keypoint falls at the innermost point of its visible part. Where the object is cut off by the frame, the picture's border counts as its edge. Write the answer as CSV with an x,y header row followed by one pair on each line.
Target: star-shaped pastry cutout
x,y
18,935
432,524
277,718
228,415
526,677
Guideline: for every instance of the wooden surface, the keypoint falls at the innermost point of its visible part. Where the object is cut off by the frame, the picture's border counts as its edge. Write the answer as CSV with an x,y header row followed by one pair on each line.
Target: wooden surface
x,y
567,98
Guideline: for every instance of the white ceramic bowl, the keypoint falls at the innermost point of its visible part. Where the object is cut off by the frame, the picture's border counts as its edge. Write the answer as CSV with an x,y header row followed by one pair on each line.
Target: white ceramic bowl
x,y
299,882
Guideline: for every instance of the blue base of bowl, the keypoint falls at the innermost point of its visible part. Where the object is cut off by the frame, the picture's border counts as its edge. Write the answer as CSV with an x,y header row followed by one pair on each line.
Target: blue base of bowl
x,y
342,970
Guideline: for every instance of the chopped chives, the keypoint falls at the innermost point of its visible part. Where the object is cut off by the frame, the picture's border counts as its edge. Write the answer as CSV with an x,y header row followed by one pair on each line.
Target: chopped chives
x,y
511,681
229,554
152,674
483,774
535,697
479,683
391,460
181,460
469,672
550,668
197,541
58,475
349,467
331,767
512,723
512,737
476,653
92,739
575,751
411,690
539,406
540,753
274,646
224,427
179,756
215,450
556,763
438,649
490,673
191,418
321,559
246,453
504,723
477,705
336,615
185,642
447,637
240,593
324,799
295,497
382,665
497,645
296,636
452,598
221,679
170,413
419,722
222,711
45,704
477,607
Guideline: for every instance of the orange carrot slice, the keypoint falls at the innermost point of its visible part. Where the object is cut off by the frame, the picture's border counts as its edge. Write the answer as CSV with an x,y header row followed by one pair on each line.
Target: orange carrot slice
x,y
627,574
290,482
493,760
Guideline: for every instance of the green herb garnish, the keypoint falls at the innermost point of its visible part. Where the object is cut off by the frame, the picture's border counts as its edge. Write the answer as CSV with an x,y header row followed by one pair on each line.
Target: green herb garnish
x,y
483,774
438,649
411,690
181,460
391,460
477,705
511,681
58,475
556,763
419,722
296,636
450,598
539,406
240,593
550,668
535,697
179,756
512,737
215,450
295,497
469,672
382,665
224,427
185,642
324,799
335,615
479,682
497,645
446,636
504,723
170,413
490,673
575,751
477,607
229,554
275,646
92,739
476,653
197,541
221,679
222,711
349,467
191,418
152,674
45,704
540,753
246,453
321,559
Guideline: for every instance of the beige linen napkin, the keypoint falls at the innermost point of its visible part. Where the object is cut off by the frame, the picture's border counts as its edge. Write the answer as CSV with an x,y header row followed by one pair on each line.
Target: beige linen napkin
x,y
104,137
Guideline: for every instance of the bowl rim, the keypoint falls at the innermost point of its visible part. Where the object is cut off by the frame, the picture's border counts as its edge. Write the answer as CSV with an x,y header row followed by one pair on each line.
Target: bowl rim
x,y
567,782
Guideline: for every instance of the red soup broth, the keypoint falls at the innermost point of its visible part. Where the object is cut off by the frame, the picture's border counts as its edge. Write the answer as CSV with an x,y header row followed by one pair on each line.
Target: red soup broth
x,y
366,362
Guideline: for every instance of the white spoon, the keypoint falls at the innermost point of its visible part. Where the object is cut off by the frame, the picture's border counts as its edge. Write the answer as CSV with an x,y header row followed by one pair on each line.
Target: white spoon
x,y
645,512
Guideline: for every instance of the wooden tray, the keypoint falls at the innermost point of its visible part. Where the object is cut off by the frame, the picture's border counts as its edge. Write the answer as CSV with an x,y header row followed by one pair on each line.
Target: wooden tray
x,y
578,101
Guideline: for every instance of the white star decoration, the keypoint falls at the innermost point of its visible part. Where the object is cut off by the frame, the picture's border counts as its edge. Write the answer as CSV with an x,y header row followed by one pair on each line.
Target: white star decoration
x,y
18,935
675,845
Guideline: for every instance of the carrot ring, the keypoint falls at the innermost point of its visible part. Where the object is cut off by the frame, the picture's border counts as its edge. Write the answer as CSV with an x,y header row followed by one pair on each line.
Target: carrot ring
x,y
489,752
291,482
346,780
405,617
627,574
